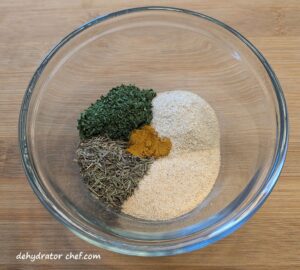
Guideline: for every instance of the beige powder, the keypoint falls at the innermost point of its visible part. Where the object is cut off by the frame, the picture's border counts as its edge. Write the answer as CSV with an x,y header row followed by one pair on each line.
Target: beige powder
x,y
176,184
187,119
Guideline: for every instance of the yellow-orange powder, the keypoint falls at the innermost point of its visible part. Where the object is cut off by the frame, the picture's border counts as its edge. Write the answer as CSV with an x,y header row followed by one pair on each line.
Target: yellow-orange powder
x,y
145,142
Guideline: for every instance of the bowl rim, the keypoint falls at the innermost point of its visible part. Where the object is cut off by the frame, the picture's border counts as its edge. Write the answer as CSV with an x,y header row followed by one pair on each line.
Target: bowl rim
x,y
224,229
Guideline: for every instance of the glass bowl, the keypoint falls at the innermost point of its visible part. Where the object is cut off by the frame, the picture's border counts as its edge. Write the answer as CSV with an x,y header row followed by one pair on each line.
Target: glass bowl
x,y
162,48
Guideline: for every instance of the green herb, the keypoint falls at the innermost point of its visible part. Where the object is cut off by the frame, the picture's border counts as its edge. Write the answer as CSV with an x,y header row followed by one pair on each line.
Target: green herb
x,y
111,173
115,115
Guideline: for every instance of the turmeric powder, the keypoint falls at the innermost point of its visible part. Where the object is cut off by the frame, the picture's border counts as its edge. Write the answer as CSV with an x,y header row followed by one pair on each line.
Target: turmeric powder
x,y
145,142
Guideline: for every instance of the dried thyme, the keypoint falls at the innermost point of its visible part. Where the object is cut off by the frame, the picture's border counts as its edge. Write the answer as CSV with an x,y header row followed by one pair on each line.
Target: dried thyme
x,y
110,172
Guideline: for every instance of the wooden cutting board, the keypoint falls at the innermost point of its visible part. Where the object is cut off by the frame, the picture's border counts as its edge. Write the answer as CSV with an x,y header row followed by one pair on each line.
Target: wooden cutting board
x,y
29,28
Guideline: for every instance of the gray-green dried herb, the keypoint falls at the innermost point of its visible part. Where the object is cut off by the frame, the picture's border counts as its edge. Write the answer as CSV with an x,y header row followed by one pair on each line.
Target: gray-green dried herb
x,y
110,172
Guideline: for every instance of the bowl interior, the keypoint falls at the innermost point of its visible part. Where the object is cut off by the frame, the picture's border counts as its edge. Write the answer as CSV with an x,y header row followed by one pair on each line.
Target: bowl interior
x,y
164,51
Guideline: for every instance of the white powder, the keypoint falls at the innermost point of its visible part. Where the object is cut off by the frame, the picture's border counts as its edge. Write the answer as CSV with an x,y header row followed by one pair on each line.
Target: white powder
x,y
179,182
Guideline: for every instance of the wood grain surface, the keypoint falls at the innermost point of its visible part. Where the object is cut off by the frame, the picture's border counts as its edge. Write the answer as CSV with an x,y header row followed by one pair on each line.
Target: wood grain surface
x,y
29,28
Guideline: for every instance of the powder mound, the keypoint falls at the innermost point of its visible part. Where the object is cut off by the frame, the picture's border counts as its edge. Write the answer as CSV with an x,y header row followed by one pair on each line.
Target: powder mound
x,y
145,142
179,182
174,185
187,119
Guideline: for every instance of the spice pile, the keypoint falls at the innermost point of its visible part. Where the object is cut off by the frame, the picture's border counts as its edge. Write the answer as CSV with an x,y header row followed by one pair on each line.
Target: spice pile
x,y
177,183
110,172
114,154
151,156
115,115
146,142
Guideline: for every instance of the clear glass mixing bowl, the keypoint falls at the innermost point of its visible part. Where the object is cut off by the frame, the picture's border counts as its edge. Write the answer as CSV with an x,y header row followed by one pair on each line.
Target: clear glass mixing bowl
x,y
161,48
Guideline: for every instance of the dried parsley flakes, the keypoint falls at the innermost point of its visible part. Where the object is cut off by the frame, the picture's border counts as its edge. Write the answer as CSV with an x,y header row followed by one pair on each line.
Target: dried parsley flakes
x,y
115,115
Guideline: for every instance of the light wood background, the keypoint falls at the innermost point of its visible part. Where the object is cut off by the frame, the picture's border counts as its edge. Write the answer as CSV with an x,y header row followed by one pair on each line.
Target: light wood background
x,y
29,28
